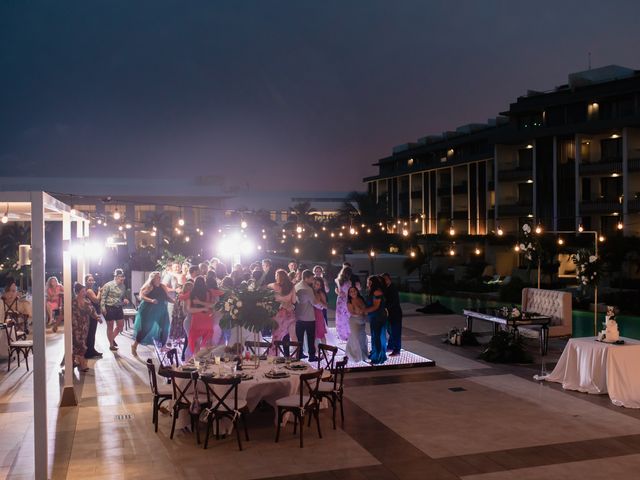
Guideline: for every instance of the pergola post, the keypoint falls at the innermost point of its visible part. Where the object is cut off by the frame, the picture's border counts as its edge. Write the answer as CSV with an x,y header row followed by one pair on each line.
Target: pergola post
x,y
68,397
40,436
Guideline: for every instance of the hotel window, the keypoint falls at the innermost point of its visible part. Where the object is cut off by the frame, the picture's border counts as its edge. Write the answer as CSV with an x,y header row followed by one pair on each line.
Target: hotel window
x,y
144,212
611,149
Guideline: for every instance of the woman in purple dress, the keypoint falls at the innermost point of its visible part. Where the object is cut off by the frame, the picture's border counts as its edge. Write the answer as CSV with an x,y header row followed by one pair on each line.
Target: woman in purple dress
x,y
343,283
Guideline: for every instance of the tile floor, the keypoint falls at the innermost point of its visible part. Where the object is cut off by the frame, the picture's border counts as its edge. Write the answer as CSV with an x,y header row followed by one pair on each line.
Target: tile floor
x,y
462,419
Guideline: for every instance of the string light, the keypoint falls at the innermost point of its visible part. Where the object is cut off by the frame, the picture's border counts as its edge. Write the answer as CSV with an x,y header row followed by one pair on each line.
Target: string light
x,y
580,228
517,248
187,238
601,238
620,225
560,241
452,231
333,251
538,229
243,224
452,252
296,250
128,226
500,232
405,232
181,222
352,231
372,253
477,251
116,215
299,229
412,254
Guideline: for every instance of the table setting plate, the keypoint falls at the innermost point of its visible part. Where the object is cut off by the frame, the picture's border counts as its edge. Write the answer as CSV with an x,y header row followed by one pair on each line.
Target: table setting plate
x,y
297,367
276,375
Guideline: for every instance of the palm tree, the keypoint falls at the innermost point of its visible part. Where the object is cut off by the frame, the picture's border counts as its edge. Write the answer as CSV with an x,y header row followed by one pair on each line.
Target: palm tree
x,y
363,207
302,214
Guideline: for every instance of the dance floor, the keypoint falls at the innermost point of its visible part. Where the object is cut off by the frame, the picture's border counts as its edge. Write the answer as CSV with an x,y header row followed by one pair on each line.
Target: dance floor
x,y
406,359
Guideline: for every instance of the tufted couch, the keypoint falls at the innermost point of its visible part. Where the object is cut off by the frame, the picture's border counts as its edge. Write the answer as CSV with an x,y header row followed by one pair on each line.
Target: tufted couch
x,y
553,303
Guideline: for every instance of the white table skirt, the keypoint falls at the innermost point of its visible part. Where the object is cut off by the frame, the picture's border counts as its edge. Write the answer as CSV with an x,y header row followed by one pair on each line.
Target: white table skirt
x,y
596,367
254,390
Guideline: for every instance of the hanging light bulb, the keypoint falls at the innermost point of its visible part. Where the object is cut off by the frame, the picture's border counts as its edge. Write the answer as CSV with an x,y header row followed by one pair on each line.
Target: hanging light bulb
x,y
99,221
116,215
538,229
153,234
560,241
333,251
187,238
601,238
499,231
243,224
580,228
352,231
405,232
181,222
620,225
452,252
128,226
477,251
201,232
517,248
372,253
452,231
412,254
315,235
296,250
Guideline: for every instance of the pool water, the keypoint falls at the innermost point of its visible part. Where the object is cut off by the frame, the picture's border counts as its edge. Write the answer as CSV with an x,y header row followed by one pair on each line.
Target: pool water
x,y
629,325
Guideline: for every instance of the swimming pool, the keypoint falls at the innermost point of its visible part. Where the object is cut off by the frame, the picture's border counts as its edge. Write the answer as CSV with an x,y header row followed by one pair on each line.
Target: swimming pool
x,y
629,325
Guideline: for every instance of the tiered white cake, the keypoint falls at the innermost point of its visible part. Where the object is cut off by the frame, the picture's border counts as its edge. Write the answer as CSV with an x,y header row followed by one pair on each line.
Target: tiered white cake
x,y
610,333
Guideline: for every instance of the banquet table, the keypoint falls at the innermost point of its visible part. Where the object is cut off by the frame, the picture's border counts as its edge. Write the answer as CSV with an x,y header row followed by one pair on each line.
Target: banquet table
x,y
589,366
253,390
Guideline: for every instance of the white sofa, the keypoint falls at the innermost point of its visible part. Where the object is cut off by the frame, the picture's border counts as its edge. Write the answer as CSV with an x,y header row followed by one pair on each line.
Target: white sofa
x,y
553,303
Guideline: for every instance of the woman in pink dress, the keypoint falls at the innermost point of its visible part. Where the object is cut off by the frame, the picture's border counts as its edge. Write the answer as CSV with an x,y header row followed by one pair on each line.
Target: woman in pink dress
x,y
321,300
343,283
285,294
54,302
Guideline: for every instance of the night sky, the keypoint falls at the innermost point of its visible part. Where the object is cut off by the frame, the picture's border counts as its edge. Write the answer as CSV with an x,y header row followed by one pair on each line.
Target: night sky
x,y
296,95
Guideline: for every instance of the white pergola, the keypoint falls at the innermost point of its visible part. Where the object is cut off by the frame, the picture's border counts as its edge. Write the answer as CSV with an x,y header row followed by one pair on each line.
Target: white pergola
x,y
37,208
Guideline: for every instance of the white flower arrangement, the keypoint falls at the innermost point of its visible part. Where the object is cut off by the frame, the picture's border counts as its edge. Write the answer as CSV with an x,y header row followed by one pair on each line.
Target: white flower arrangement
x,y
587,267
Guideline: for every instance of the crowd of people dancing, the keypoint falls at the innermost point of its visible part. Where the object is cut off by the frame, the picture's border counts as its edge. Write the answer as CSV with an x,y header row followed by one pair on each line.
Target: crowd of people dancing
x,y
179,304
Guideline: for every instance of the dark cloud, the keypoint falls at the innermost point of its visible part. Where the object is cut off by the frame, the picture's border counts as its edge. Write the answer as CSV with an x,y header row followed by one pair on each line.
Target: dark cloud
x,y
279,94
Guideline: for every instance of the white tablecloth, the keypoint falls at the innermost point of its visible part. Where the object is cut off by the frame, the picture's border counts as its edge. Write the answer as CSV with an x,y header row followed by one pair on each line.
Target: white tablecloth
x,y
254,390
597,367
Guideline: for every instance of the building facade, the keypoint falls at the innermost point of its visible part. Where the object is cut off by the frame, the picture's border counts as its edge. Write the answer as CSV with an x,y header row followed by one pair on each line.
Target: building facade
x,y
564,158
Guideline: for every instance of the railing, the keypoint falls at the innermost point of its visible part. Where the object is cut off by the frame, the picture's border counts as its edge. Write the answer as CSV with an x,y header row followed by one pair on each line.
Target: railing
x,y
600,167
510,209
515,174
601,205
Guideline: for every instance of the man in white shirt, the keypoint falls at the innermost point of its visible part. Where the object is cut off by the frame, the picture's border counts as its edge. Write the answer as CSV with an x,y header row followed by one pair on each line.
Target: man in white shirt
x,y
305,315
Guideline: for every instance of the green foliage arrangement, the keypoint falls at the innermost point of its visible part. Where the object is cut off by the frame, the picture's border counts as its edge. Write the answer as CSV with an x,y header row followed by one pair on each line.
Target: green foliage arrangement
x,y
248,308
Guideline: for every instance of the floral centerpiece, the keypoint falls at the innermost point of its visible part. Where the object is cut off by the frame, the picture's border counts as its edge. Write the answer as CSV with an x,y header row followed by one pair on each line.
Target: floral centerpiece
x,y
247,308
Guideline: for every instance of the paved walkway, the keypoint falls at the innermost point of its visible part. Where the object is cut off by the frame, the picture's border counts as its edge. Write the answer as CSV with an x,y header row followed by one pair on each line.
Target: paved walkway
x,y
463,419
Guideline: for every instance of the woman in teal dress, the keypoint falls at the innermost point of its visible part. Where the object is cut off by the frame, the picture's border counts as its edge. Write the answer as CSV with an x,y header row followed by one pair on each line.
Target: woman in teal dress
x,y
377,312
152,319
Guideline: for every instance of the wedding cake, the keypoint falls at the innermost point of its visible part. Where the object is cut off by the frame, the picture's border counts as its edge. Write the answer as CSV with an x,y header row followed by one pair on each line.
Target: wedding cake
x,y
610,334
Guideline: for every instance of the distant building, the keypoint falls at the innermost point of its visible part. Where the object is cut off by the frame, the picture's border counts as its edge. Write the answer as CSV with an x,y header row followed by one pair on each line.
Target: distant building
x,y
150,204
563,158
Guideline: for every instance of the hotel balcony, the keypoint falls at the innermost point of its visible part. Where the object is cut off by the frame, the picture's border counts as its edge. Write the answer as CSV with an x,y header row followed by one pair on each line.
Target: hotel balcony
x,y
514,209
603,167
460,189
515,175
634,205
601,205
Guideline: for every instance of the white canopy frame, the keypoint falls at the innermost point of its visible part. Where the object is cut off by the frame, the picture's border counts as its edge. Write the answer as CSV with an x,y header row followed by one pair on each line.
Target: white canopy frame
x,y
37,208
